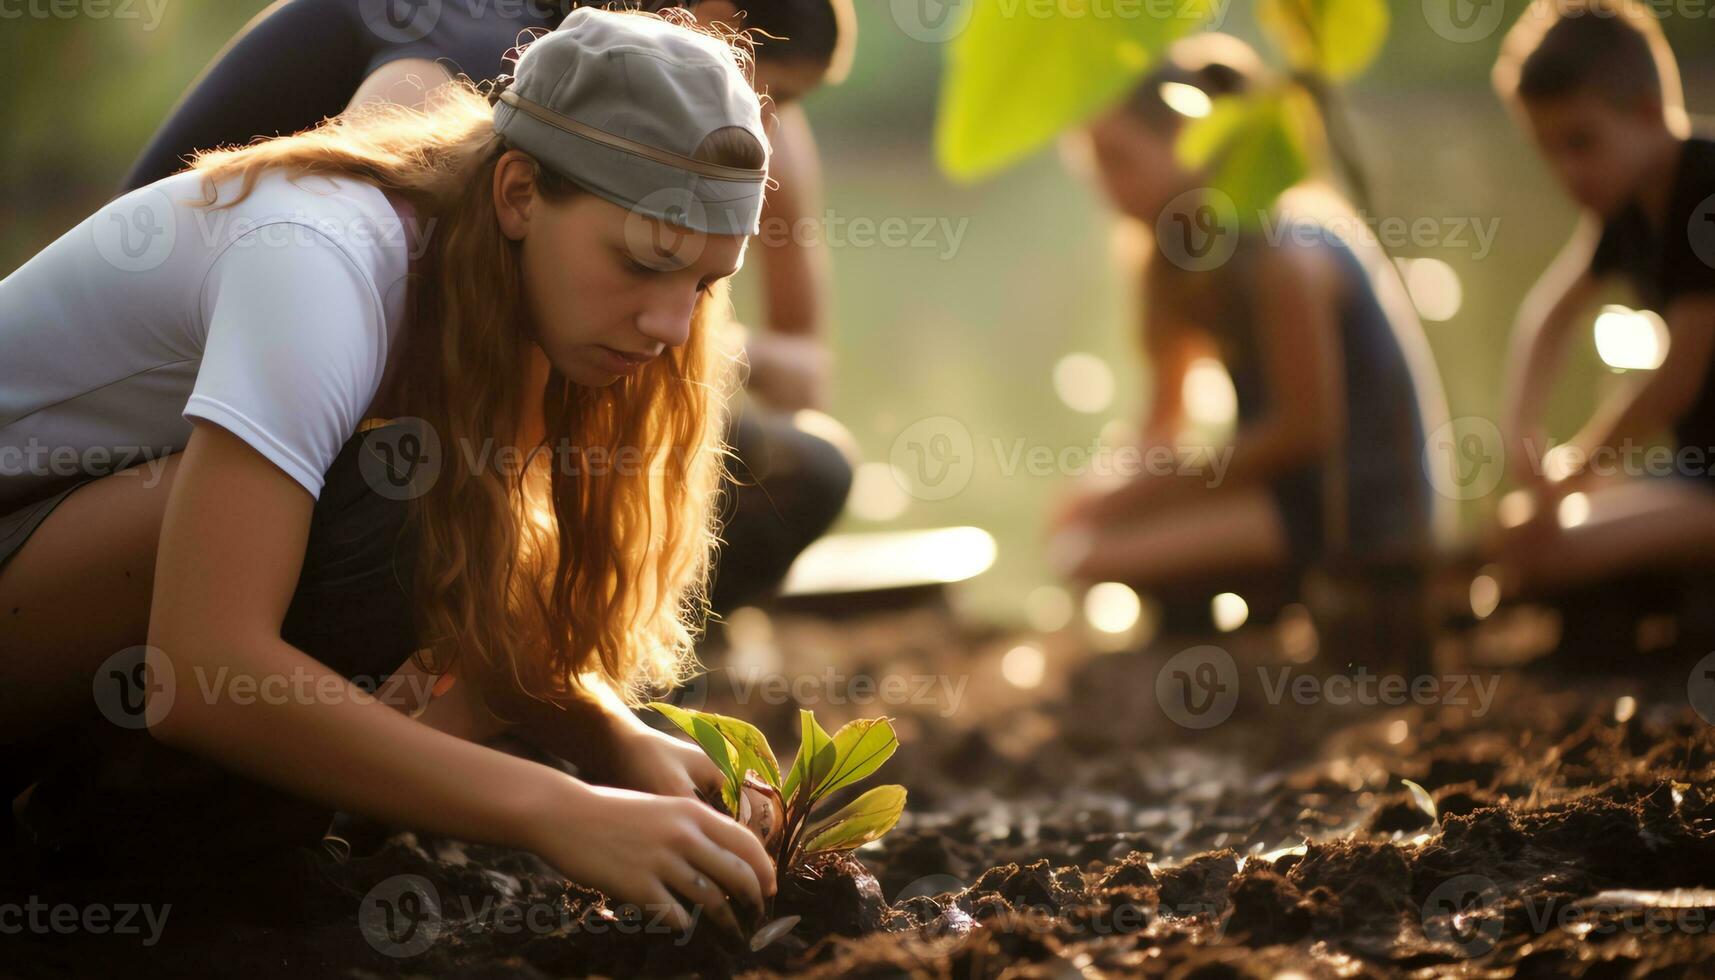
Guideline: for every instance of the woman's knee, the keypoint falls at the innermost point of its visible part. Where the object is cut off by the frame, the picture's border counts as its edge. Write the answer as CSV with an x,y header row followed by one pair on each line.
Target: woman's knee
x,y
804,478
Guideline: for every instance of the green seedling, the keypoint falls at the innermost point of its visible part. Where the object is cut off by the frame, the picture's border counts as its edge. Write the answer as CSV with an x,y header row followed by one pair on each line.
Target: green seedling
x,y
825,764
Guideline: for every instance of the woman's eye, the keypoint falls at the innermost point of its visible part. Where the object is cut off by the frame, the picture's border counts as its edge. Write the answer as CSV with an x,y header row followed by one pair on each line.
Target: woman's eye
x,y
628,261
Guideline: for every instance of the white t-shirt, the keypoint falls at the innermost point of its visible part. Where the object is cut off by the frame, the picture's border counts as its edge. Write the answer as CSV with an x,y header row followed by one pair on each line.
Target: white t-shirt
x,y
274,318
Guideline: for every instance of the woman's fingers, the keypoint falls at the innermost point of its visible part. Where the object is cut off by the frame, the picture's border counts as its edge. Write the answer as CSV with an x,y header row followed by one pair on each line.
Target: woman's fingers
x,y
677,917
734,858
704,893
708,777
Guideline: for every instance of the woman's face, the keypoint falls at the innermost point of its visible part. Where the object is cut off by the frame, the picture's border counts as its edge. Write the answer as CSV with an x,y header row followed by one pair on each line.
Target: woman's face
x,y
607,290
1136,164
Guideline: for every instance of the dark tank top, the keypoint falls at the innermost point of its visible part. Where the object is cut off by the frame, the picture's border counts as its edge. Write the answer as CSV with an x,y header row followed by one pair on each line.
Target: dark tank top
x,y
1372,495
1673,260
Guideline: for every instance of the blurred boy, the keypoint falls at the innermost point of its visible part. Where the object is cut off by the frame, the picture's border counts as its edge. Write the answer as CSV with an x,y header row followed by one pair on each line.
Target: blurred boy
x,y
1595,85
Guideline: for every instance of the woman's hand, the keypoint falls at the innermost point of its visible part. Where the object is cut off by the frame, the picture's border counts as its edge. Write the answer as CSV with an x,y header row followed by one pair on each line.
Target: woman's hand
x,y
649,761
654,762
673,858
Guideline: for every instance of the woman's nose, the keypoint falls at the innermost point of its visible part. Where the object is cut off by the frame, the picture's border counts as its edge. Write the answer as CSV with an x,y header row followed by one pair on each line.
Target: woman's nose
x,y
668,320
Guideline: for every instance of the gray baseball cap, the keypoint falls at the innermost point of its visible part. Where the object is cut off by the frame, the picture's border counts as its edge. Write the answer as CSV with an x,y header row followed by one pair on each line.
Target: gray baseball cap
x,y
618,103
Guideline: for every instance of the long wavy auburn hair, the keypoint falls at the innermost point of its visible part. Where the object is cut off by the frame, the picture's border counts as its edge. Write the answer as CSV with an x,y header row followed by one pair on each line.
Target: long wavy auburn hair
x,y
590,560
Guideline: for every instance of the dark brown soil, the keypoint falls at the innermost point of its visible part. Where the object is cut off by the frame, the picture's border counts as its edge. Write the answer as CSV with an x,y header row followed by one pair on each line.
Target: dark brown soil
x,y
1285,842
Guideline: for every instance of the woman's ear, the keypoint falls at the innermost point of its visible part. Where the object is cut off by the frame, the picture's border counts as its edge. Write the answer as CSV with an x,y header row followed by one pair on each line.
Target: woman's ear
x,y
514,193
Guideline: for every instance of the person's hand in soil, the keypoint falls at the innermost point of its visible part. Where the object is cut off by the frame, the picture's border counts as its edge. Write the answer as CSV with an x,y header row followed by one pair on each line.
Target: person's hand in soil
x,y
611,745
662,854
654,762
608,743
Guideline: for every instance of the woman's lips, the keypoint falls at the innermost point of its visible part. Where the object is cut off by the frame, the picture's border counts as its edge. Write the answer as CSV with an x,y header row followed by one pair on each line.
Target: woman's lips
x,y
622,362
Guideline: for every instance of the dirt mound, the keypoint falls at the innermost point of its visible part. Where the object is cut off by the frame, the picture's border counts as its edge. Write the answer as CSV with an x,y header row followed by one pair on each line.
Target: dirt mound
x,y
1562,841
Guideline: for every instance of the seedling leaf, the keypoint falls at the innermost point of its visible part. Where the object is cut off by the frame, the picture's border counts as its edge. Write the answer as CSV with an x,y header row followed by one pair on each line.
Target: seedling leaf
x,y
1337,38
714,745
1043,75
858,822
751,746
1252,149
814,761
860,747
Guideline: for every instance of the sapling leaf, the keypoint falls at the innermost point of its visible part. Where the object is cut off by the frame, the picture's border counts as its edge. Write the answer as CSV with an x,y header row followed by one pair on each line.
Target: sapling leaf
x,y
858,822
1337,38
860,747
1043,74
680,717
823,764
1252,148
814,761
752,747
713,744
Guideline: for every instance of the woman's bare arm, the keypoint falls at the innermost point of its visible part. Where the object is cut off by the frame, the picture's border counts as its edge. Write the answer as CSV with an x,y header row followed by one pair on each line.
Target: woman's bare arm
x,y
1170,346
231,548
790,365
406,81
230,554
1296,329
1655,400
1545,321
